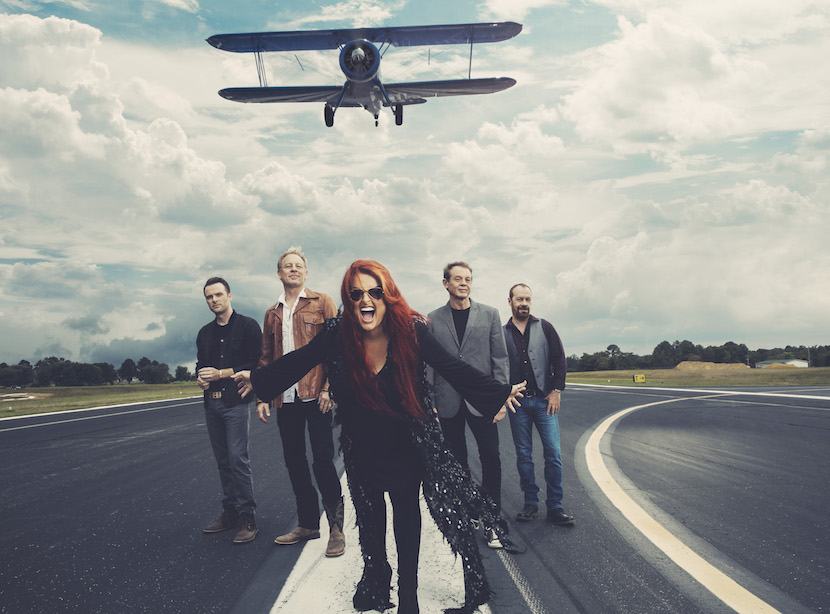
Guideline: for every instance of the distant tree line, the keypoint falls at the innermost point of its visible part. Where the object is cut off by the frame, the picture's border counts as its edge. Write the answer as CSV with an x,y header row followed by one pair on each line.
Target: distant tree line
x,y
54,371
668,355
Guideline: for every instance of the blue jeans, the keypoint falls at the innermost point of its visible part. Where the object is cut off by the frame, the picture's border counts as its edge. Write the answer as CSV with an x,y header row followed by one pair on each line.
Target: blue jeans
x,y
228,428
533,410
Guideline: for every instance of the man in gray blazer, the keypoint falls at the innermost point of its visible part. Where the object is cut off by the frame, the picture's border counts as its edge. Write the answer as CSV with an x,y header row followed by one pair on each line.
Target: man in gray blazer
x,y
472,332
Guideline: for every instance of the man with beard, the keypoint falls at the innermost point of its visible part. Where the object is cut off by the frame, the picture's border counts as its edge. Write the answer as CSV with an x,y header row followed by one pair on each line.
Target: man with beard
x,y
537,356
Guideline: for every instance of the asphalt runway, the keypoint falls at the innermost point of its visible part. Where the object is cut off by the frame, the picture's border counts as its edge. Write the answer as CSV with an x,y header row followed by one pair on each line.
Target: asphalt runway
x,y
685,501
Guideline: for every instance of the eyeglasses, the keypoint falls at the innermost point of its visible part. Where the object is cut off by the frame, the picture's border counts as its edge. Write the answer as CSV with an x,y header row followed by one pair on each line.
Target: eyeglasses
x,y
356,294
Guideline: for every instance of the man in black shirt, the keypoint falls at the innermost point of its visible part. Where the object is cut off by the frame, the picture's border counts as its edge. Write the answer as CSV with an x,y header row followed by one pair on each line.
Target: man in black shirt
x,y
230,343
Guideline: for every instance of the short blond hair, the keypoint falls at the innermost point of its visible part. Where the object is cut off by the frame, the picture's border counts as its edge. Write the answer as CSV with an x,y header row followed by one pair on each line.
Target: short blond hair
x,y
295,250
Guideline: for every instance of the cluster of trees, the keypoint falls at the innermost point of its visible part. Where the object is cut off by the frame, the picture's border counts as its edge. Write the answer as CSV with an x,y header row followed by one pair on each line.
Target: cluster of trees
x,y
668,355
55,371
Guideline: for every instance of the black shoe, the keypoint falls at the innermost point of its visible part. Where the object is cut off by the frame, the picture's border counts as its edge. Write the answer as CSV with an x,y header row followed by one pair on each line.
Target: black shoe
x,y
529,512
372,592
559,517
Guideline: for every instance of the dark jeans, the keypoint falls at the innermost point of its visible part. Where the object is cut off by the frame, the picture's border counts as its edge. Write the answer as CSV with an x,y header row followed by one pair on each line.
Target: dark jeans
x,y
533,410
228,428
292,419
487,438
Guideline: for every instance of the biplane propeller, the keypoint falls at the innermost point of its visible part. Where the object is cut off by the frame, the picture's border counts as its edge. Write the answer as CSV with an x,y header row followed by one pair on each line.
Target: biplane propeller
x,y
361,50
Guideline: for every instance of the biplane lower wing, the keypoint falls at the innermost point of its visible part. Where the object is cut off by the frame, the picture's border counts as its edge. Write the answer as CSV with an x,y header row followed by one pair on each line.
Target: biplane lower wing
x,y
401,92
322,93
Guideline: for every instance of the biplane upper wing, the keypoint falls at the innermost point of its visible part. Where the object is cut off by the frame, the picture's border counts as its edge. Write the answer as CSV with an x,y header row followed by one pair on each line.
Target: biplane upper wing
x,y
400,93
402,36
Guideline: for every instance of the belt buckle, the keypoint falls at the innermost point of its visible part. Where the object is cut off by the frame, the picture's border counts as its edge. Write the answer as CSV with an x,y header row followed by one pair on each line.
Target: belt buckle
x,y
215,395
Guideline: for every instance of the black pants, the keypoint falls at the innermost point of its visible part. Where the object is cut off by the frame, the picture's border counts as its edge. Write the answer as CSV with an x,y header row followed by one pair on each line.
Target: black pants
x,y
487,438
370,507
292,419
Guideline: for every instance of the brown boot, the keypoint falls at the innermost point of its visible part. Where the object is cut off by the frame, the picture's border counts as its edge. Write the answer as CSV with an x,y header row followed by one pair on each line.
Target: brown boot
x,y
228,520
248,529
337,541
297,535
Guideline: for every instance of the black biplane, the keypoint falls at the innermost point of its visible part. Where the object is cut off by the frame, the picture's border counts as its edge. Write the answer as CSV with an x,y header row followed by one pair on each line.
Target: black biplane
x,y
361,50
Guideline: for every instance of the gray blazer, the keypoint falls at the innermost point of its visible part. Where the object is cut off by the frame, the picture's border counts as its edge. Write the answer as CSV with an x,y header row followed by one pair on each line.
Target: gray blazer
x,y
483,347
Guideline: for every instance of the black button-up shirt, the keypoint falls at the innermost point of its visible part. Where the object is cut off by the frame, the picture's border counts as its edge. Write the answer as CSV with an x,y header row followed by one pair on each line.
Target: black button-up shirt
x,y
233,346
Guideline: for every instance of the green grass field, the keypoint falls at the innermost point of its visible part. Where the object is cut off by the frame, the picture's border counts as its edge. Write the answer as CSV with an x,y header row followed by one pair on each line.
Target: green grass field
x,y
817,376
80,397
39,400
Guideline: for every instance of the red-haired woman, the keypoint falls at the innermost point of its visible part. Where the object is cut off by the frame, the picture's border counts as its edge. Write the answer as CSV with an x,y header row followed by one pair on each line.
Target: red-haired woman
x,y
375,355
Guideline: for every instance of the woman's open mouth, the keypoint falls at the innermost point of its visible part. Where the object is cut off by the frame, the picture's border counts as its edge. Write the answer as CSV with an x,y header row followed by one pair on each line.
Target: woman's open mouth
x,y
367,314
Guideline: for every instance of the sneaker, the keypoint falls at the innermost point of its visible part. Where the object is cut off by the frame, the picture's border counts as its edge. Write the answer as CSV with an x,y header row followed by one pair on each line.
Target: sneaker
x,y
248,530
529,512
297,535
559,517
493,540
227,520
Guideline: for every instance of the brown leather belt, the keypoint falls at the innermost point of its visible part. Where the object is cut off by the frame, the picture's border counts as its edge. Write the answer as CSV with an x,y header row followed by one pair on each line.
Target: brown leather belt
x,y
215,395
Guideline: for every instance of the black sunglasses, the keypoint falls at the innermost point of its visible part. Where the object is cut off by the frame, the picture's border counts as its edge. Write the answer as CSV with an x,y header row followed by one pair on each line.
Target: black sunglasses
x,y
356,294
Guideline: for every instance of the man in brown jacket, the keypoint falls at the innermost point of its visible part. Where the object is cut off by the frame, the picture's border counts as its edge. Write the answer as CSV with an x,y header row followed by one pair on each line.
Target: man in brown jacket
x,y
290,324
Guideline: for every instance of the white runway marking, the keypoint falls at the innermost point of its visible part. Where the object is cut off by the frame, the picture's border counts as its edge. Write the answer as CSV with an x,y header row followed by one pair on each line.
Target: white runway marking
x,y
120,413
326,585
719,584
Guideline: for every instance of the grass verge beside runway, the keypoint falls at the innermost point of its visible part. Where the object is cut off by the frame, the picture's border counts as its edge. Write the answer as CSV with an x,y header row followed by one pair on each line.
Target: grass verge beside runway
x,y
40,400
792,376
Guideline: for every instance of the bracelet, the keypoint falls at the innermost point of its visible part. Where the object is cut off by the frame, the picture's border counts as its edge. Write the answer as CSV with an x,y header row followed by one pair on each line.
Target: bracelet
x,y
324,390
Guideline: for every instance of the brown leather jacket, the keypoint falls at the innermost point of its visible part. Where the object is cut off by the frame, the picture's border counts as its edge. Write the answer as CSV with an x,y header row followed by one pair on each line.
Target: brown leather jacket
x,y
312,310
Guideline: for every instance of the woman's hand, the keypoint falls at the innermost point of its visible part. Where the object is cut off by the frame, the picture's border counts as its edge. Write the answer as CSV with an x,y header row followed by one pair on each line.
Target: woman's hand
x,y
512,401
243,382
500,416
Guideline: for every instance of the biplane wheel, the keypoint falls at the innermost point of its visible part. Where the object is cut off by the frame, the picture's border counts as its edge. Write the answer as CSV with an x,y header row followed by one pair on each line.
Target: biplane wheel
x,y
398,108
328,114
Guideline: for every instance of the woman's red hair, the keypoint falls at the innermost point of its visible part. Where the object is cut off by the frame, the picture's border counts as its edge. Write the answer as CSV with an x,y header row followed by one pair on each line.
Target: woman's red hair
x,y
399,326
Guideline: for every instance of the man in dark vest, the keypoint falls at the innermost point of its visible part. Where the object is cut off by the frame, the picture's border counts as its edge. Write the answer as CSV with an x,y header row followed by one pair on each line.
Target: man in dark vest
x,y
537,356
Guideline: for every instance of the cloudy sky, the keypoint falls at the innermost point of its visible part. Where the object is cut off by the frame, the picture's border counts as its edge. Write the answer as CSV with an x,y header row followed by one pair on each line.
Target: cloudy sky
x,y
660,170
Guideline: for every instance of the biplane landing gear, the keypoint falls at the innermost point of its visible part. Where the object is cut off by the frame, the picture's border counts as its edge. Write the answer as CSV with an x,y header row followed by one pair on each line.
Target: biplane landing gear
x,y
398,109
328,114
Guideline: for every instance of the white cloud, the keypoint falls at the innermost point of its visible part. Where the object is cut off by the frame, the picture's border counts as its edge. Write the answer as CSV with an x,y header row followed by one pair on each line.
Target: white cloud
x,y
356,13
515,10
190,6
47,53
